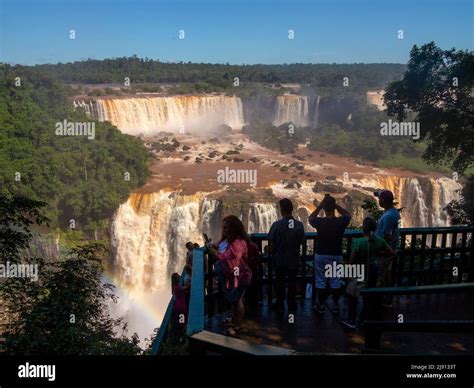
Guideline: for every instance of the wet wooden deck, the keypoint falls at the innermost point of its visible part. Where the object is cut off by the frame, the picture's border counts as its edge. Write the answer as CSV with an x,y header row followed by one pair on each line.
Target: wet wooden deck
x,y
325,334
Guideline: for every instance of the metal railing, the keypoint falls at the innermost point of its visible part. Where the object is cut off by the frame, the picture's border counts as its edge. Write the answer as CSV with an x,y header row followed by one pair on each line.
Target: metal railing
x,y
420,261
196,303
195,321
426,256
374,325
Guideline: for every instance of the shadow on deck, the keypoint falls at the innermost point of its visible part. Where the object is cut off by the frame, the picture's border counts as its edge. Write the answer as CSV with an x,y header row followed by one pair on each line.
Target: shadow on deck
x,y
325,334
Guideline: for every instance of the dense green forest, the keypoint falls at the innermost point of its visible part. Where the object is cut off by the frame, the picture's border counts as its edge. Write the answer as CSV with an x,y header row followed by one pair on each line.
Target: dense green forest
x,y
81,179
207,76
64,310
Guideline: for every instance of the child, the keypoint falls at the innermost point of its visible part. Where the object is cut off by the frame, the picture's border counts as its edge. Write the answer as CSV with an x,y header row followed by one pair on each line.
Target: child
x,y
365,251
186,282
180,311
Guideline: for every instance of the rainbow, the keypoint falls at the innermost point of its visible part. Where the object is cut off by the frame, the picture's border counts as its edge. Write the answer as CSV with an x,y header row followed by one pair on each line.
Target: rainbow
x,y
148,309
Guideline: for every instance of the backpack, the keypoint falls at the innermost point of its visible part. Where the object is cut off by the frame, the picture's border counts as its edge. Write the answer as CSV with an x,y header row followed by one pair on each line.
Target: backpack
x,y
252,256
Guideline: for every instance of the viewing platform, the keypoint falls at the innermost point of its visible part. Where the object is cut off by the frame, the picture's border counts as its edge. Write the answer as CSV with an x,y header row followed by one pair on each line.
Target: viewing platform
x,y
432,311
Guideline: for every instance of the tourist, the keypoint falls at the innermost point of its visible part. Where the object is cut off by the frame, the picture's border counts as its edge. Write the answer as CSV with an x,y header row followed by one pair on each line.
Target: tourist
x,y
189,253
367,252
285,239
231,255
329,249
186,282
388,228
180,310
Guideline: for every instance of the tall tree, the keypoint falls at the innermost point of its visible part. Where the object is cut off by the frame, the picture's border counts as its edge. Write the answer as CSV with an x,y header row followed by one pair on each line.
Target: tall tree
x,y
436,91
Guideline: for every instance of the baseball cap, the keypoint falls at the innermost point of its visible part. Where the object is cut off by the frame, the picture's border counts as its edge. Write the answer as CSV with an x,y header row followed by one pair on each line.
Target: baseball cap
x,y
385,195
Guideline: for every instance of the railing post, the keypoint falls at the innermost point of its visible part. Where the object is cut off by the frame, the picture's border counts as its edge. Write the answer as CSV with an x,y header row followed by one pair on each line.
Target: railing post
x,y
260,272
372,311
270,279
411,276
434,242
463,265
452,258
313,274
470,262
421,277
196,304
210,288
164,328
399,260
444,237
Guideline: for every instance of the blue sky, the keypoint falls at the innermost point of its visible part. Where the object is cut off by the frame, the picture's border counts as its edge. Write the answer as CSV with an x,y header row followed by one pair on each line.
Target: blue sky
x,y
233,31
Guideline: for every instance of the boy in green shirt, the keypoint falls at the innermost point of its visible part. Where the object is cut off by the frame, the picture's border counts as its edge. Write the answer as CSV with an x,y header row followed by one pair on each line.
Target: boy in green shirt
x,y
366,251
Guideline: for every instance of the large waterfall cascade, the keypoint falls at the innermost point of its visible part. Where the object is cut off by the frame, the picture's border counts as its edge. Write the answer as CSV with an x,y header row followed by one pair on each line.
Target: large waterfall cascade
x,y
149,115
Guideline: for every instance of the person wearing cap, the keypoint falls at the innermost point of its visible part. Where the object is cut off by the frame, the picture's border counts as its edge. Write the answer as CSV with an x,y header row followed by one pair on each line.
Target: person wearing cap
x,y
388,228
329,249
189,253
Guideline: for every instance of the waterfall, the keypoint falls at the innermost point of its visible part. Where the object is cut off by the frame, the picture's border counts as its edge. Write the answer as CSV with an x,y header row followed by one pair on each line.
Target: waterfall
x,y
292,108
92,109
413,194
149,115
149,233
155,228
316,113
261,216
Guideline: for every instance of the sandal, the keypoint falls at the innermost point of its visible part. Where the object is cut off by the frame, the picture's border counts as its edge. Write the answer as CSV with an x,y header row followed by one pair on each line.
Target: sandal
x,y
232,330
229,332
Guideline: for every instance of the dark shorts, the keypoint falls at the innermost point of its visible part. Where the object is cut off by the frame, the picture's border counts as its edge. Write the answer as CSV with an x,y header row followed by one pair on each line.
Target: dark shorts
x,y
234,294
